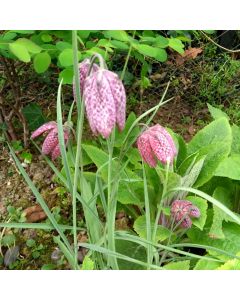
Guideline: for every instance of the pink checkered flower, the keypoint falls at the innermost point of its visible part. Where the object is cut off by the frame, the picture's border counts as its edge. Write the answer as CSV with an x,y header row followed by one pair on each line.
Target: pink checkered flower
x,y
182,211
156,143
51,143
105,101
83,72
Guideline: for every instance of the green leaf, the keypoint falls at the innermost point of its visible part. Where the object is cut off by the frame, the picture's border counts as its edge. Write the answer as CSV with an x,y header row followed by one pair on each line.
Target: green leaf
x,y
29,45
229,167
232,264
131,250
20,52
230,244
66,57
8,240
48,267
67,76
216,113
161,42
213,142
176,44
179,265
236,139
31,243
140,227
41,62
202,205
157,53
120,45
23,31
84,34
46,38
217,131
34,116
224,196
119,35
87,264
204,264
63,45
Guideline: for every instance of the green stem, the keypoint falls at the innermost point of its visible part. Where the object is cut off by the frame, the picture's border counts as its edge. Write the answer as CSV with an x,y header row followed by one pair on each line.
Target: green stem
x,y
111,212
160,206
148,219
78,160
127,59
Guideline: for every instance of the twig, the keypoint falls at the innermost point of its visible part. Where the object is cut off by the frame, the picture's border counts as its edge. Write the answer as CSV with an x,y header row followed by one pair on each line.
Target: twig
x,y
226,49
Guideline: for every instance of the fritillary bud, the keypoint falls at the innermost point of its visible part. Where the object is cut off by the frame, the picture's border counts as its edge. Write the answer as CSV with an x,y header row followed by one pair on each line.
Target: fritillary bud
x,y
182,210
156,143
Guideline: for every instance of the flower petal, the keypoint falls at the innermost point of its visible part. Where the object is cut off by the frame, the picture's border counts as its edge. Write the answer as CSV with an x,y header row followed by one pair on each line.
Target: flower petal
x,y
43,128
50,141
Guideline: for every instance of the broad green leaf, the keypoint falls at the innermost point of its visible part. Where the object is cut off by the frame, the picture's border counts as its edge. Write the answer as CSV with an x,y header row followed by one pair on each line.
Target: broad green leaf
x,y
216,113
236,139
202,205
204,264
229,167
23,31
34,116
179,265
120,45
213,142
66,75
20,52
119,35
41,62
232,264
230,244
146,50
161,42
217,131
8,240
63,45
29,45
176,44
140,227
224,196
84,34
126,195
87,264
66,57
132,250
46,38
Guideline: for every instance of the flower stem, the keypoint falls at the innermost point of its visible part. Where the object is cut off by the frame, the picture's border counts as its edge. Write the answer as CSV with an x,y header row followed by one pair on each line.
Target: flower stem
x,y
78,160
111,211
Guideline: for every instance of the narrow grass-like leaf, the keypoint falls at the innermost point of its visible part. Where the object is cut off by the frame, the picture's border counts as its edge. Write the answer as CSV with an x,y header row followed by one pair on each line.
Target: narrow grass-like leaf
x,y
40,199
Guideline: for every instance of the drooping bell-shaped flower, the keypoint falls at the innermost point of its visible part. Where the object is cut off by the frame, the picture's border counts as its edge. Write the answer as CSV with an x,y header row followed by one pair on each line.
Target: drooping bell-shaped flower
x,y
51,142
156,143
105,101
83,72
182,211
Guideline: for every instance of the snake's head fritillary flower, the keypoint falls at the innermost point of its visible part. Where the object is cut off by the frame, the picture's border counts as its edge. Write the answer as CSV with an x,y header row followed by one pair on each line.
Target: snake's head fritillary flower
x,y
156,143
83,72
51,143
182,211
105,101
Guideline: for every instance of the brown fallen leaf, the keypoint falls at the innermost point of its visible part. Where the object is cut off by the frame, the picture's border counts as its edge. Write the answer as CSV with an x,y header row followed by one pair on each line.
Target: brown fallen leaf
x,y
192,53
34,214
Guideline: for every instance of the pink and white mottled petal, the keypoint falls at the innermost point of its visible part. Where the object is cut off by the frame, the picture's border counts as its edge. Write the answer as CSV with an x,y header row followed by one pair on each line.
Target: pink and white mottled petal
x,y
194,212
186,223
162,131
56,152
146,150
45,127
50,141
161,148
119,94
